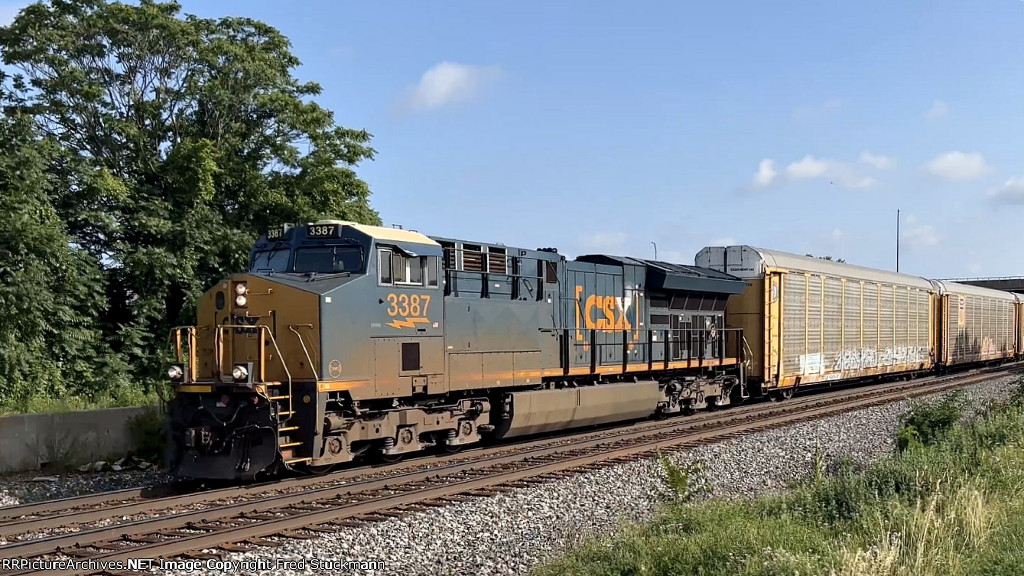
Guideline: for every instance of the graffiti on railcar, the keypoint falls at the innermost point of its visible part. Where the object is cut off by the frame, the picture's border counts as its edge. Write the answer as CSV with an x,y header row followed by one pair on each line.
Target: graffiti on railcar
x,y
854,359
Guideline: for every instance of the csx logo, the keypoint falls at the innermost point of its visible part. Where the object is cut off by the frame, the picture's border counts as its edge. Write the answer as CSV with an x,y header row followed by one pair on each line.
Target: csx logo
x,y
600,313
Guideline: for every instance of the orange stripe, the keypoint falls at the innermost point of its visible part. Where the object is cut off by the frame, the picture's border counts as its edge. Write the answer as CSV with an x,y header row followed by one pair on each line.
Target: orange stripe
x,y
336,386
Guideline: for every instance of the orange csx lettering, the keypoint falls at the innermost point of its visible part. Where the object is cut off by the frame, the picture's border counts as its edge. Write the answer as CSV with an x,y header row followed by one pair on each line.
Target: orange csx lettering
x,y
600,313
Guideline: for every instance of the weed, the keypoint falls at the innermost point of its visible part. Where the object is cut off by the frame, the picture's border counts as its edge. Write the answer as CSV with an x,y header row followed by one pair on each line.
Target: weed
x,y
149,434
1017,393
926,423
688,482
62,451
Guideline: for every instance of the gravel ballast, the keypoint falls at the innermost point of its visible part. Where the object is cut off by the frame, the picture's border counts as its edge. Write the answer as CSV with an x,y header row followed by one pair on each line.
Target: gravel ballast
x,y
29,487
512,532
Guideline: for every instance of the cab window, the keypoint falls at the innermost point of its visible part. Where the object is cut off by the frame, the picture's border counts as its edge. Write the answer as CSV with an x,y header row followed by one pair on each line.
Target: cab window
x,y
395,268
329,259
384,265
270,261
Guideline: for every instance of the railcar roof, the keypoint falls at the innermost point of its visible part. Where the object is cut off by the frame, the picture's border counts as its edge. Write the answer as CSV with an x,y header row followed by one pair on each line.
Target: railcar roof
x,y
957,288
786,261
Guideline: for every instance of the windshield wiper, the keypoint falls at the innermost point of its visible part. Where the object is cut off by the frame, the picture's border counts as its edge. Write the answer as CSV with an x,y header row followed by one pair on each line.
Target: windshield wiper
x,y
311,276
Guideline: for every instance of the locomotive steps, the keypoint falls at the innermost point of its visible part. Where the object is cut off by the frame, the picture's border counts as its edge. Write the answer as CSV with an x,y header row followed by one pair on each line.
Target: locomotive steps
x,y
244,525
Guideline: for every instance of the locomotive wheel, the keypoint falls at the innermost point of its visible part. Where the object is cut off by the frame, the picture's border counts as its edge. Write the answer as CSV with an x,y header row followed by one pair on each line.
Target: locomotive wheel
x,y
391,458
451,448
319,470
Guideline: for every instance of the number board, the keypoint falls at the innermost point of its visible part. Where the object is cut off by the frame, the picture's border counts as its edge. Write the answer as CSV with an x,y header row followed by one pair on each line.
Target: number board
x,y
322,231
275,234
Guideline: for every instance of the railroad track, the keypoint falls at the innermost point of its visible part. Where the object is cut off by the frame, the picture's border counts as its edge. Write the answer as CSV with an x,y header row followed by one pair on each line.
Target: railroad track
x,y
245,525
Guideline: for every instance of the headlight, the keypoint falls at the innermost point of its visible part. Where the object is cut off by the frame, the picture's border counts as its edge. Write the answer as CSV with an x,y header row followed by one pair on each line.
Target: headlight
x,y
175,373
240,288
240,300
239,373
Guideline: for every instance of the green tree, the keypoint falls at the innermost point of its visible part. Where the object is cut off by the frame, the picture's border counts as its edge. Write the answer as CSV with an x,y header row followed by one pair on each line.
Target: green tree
x,y
51,291
829,258
181,138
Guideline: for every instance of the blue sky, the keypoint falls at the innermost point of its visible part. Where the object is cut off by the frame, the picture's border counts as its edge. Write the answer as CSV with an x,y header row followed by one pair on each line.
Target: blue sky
x,y
605,126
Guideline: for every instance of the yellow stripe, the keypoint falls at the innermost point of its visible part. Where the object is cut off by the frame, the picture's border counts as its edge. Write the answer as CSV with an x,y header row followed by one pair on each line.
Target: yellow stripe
x,y
196,389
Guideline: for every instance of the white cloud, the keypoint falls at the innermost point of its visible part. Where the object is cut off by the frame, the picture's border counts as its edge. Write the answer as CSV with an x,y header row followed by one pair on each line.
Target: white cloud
x,y
939,109
877,160
449,82
765,173
837,234
8,10
958,165
1011,192
809,167
724,241
604,242
920,235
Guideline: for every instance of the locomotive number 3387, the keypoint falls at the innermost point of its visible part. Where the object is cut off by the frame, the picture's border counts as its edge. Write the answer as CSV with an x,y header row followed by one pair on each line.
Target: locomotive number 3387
x,y
408,305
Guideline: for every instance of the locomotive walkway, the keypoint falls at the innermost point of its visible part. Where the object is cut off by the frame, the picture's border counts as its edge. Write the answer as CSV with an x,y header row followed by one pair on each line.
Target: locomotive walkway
x,y
239,519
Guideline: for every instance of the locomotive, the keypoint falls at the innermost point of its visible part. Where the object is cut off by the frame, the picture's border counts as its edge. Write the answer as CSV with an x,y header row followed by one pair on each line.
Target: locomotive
x,y
345,341
348,341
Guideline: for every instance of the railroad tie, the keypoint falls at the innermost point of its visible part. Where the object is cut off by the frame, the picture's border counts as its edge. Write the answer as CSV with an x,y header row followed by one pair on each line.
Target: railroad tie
x,y
295,535
262,542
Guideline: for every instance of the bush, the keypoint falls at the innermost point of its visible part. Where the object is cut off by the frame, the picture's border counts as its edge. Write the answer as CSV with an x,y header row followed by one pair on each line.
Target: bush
x,y
149,434
927,423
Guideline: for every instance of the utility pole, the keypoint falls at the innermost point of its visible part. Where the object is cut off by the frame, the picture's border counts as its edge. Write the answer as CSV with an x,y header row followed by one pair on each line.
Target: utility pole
x,y
897,240
655,250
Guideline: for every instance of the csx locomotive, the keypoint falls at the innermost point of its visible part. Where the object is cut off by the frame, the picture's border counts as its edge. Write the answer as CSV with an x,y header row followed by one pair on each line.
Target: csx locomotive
x,y
346,341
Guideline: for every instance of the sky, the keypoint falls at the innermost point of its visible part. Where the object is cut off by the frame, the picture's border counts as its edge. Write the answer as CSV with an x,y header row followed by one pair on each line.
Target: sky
x,y
604,127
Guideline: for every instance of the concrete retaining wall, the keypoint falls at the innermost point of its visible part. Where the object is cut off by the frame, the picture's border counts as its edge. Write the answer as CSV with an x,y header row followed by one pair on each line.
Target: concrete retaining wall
x,y
30,441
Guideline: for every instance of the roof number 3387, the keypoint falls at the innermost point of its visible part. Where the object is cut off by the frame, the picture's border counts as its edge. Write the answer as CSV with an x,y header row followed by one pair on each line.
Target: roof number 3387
x,y
408,305
316,231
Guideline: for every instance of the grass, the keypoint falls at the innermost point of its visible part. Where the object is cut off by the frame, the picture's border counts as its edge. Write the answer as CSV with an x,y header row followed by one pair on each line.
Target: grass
x,y
949,501
120,398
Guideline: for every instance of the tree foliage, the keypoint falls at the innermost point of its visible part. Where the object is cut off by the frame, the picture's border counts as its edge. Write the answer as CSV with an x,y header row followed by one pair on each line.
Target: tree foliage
x,y
51,292
173,141
829,258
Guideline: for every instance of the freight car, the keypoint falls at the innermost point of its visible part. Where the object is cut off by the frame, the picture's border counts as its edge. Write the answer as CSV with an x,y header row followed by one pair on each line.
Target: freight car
x,y
346,341
810,320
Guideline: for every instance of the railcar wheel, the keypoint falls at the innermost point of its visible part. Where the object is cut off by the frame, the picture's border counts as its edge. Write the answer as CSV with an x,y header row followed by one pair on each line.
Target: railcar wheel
x,y
780,395
391,458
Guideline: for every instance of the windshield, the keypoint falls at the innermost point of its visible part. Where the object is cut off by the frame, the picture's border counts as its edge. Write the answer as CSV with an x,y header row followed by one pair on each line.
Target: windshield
x,y
270,261
329,259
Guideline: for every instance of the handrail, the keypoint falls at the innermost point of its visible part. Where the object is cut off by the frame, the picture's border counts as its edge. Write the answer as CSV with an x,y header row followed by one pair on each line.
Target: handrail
x,y
669,340
174,335
312,367
262,356
266,334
